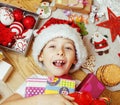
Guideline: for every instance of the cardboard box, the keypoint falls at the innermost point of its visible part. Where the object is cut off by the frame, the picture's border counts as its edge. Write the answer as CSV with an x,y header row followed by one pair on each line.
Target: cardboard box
x,y
63,4
92,85
21,42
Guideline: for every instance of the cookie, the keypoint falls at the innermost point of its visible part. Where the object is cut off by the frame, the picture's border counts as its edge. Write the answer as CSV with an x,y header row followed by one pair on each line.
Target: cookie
x,y
99,72
109,75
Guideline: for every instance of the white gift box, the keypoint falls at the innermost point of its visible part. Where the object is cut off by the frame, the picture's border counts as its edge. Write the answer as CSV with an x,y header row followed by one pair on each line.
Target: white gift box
x,y
5,70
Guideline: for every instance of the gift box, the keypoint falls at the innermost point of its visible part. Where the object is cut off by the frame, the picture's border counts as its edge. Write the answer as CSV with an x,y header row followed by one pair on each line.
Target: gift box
x,y
60,86
82,6
35,86
46,85
5,70
92,85
16,28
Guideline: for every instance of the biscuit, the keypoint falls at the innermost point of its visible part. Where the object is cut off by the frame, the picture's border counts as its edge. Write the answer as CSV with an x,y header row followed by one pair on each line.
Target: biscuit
x,y
99,72
109,74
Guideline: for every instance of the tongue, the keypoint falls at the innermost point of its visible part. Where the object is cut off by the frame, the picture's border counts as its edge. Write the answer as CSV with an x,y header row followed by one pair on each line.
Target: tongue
x,y
58,64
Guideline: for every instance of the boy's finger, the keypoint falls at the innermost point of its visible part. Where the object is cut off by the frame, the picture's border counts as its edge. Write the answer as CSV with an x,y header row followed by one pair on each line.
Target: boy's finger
x,y
69,97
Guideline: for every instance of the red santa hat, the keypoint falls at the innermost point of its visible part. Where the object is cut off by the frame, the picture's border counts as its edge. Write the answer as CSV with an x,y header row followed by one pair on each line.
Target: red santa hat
x,y
59,28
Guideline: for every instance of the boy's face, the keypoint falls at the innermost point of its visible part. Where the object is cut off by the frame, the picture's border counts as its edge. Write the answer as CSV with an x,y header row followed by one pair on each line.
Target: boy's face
x,y
58,56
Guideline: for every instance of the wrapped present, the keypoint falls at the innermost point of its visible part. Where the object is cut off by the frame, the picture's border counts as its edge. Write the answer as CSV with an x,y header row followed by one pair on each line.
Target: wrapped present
x,y
71,3
59,85
92,85
82,6
35,86
5,70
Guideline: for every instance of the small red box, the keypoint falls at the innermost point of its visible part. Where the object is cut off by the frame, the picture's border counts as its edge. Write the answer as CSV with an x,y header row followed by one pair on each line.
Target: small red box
x,y
92,85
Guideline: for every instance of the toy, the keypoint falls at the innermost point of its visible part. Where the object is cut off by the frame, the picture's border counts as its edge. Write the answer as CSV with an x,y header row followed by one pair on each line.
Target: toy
x,y
44,10
100,43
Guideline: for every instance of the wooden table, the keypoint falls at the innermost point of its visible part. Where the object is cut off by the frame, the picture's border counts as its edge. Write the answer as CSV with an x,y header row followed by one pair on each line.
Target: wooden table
x,y
25,66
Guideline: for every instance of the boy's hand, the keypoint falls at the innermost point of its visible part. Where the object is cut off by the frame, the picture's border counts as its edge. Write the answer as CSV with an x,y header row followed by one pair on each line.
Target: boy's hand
x,y
58,99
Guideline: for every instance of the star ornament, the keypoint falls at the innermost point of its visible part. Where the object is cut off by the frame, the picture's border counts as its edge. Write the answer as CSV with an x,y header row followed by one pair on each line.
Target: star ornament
x,y
113,24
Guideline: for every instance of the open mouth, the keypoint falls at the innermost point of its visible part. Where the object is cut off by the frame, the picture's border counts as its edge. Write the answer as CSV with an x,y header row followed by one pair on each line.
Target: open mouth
x,y
59,63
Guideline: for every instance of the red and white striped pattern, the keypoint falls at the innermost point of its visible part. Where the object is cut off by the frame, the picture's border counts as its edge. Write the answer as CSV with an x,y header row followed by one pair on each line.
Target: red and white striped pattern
x,y
17,27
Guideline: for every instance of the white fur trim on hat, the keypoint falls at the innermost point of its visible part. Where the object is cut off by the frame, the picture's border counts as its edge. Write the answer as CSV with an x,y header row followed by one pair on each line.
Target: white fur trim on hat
x,y
60,30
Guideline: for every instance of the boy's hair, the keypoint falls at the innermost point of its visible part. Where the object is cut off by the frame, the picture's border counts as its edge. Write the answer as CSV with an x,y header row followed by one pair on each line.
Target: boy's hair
x,y
54,28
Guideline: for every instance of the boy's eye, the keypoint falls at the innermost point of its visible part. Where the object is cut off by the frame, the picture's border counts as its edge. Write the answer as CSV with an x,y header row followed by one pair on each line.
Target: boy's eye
x,y
52,46
68,48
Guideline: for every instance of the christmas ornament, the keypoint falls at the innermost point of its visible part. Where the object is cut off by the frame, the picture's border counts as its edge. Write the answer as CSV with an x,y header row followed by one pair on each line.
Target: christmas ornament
x,y
3,10
94,14
44,11
20,45
17,27
89,64
113,24
100,43
82,28
28,22
18,14
6,16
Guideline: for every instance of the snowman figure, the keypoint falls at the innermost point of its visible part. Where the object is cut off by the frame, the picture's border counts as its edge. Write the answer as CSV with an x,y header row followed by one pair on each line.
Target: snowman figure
x,y
44,11
100,43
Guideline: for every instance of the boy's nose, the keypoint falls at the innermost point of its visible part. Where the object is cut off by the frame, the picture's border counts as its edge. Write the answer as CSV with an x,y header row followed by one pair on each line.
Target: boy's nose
x,y
60,53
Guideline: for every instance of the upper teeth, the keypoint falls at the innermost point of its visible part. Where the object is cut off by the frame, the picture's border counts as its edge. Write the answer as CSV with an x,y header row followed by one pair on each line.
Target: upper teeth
x,y
60,61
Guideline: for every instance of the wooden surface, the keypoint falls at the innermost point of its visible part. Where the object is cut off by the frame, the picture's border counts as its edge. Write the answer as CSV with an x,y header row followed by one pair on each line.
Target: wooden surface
x,y
25,66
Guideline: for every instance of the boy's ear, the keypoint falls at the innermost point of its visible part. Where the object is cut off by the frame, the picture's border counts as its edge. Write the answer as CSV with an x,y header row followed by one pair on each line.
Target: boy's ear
x,y
75,61
40,57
